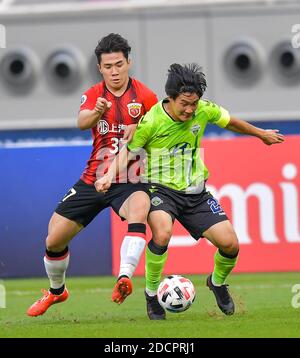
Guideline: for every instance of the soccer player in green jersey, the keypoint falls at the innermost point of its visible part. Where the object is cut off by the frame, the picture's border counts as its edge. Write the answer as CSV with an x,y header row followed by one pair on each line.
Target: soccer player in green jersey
x,y
170,134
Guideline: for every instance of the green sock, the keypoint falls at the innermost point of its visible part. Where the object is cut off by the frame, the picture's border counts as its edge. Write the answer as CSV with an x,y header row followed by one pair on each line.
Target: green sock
x,y
154,268
223,267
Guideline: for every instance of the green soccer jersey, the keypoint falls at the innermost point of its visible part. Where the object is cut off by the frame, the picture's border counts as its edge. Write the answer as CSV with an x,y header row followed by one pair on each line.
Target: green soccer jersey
x,y
173,148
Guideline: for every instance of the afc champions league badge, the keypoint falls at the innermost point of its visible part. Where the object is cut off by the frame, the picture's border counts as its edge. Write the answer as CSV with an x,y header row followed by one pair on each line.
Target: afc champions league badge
x,y
134,109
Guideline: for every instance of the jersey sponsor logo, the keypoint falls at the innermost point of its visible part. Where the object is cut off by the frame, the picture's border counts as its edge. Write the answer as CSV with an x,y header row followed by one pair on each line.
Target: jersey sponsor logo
x,y
134,109
102,126
195,129
83,99
156,201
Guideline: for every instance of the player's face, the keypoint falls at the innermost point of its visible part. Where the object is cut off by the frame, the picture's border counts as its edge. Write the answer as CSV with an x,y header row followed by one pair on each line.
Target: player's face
x,y
114,69
184,106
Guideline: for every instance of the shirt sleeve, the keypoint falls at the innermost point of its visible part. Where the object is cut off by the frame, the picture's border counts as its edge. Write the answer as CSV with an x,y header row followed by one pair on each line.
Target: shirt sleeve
x,y
150,100
88,99
217,115
142,134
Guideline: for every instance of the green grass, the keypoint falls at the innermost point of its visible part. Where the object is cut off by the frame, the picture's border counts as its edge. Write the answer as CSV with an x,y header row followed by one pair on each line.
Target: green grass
x,y
263,309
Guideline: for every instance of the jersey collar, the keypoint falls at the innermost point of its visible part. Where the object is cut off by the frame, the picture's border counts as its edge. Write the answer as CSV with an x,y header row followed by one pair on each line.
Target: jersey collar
x,y
164,111
127,88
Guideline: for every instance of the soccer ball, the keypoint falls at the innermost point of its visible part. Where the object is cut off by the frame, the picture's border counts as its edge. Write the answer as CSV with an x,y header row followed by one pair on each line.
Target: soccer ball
x,y
176,293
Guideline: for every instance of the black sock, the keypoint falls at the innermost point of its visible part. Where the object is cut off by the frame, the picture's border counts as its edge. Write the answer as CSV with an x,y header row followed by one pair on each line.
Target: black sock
x,y
137,227
122,277
57,291
157,249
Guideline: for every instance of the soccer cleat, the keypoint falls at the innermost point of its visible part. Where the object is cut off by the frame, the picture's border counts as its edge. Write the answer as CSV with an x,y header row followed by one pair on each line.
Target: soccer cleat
x,y
122,289
48,299
154,309
222,295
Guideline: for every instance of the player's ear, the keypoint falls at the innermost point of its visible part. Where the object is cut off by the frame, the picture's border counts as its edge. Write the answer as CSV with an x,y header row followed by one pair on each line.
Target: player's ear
x,y
99,68
129,61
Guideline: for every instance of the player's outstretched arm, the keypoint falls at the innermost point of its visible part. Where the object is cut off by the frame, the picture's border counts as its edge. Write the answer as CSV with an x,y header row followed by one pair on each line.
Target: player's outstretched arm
x,y
268,136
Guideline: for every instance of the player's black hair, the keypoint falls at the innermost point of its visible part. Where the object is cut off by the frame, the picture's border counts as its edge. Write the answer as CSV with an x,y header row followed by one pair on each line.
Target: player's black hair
x,y
112,43
186,78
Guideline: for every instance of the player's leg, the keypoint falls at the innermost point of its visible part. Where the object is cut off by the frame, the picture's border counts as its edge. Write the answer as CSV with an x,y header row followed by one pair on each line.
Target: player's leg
x,y
223,236
56,260
163,211
202,216
75,211
61,231
161,224
135,210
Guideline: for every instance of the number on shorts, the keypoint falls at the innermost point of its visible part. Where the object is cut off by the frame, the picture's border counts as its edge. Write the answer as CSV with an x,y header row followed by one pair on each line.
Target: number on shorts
x,y
71,192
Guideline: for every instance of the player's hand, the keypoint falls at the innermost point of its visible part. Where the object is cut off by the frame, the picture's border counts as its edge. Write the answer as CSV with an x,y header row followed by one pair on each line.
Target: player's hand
x,y
102,105
129,132
103,184
272,136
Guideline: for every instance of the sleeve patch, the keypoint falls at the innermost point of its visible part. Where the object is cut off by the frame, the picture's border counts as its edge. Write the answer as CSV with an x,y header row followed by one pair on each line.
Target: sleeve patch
x,y
83,99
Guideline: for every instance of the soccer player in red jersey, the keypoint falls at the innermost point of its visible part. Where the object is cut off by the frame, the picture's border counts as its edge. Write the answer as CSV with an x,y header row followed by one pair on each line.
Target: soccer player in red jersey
x,y
111,109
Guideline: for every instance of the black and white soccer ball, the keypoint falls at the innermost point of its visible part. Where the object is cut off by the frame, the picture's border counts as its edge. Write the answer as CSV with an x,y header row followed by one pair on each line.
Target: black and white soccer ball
x,y
176,293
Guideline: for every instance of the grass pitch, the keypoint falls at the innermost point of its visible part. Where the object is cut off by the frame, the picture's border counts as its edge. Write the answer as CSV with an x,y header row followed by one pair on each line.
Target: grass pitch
x,y
263,309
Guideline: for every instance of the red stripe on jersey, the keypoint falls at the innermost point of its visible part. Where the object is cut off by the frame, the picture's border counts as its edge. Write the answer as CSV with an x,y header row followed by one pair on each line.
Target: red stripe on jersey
x,y
108,133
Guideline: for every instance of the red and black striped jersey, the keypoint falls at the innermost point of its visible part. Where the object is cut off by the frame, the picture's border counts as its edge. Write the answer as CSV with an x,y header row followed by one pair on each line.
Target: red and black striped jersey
x,y
108,133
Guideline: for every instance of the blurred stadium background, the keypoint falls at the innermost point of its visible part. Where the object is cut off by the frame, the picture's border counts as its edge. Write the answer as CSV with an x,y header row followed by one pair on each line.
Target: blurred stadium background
x,y
250,53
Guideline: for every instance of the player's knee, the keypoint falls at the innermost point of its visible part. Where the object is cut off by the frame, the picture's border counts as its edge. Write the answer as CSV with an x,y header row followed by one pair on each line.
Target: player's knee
x,y
231,246
136,213
53,245
162,237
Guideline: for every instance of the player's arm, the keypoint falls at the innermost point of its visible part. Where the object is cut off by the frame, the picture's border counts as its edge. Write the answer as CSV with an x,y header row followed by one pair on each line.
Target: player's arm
x,y
126,154
268,136
89,118
119,165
